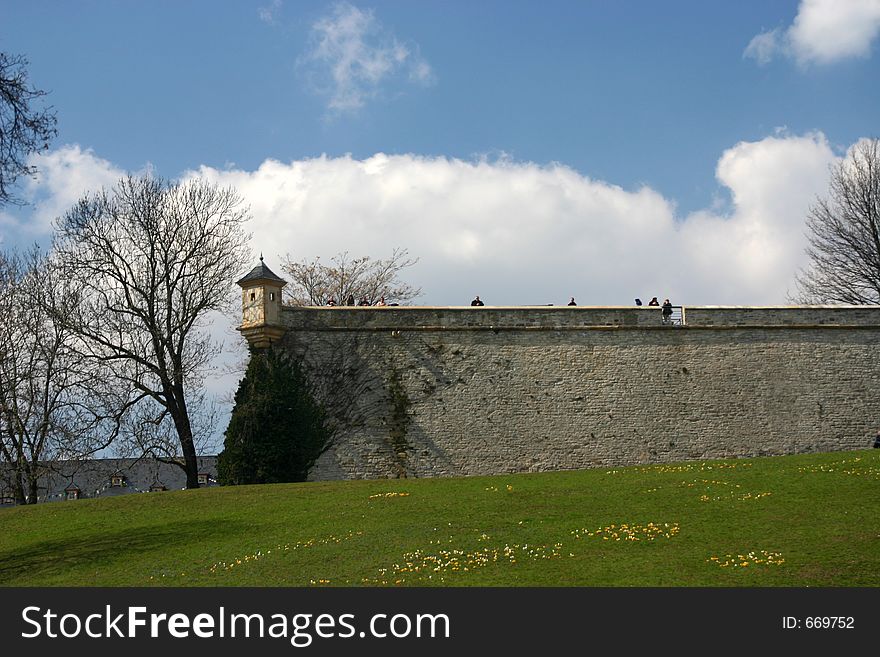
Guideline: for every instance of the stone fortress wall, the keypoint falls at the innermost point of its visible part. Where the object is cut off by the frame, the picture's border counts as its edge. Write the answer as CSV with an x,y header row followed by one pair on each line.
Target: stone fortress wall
x,y
430,391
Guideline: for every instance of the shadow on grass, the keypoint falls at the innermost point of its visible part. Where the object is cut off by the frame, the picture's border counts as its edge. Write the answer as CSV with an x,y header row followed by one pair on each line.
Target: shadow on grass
x,y
40,563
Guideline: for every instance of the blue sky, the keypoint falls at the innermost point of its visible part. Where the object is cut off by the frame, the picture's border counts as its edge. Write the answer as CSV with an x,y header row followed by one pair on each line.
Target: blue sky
x,y
646,98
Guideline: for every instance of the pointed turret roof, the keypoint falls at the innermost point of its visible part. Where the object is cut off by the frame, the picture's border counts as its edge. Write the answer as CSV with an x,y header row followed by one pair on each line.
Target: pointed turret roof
x,y
261,273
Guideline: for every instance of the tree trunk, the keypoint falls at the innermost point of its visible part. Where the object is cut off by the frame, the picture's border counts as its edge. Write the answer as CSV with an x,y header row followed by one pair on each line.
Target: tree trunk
x,y
20,497
190,462
32,485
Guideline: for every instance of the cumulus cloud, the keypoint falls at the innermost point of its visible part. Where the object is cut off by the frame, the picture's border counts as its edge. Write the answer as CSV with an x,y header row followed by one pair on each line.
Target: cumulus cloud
x,y
513,232
352,55
823,32
523,233
64,175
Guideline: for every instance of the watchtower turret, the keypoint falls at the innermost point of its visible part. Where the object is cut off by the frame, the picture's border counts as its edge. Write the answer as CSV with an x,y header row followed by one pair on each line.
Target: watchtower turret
x,y
261,306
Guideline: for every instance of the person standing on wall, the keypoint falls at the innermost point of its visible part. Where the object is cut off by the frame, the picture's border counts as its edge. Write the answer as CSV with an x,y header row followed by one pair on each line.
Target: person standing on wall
x,y
667,312
477,302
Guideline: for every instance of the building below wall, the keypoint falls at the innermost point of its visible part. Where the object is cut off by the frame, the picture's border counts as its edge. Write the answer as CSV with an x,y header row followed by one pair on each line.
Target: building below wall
x,y
92,478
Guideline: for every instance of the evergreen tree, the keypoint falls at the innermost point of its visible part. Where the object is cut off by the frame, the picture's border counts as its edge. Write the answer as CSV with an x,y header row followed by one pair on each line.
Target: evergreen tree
x,y
276,432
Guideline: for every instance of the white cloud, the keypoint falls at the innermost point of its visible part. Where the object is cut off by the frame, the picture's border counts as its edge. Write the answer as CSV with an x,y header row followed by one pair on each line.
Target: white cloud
x,y
513,232
764,46
750,255
65,175
823,32
352,56
269,13
518,232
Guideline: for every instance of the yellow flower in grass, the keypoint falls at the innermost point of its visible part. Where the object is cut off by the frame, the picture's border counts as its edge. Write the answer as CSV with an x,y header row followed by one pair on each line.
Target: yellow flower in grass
x,y
758,558
630,532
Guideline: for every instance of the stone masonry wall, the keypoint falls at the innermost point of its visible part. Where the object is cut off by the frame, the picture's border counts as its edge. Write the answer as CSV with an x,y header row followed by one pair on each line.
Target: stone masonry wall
x,y
421,392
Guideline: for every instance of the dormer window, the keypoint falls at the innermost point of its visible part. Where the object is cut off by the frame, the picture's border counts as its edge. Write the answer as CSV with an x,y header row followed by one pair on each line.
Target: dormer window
x,y
72,493
157,487
117,481
203,479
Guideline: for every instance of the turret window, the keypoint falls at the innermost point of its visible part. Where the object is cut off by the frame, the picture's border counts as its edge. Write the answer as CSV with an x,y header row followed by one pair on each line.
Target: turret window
x,y
253,296
271,296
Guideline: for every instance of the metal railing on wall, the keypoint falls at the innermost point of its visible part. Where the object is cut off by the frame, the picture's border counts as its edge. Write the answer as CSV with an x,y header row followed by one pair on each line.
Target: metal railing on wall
x,y
677,318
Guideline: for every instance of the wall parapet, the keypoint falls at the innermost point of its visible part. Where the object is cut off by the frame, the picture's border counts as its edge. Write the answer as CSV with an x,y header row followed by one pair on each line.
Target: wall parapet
x,y
561,318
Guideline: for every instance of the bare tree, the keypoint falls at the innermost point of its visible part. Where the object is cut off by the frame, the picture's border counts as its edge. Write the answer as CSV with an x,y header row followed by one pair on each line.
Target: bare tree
x,y
154,260
24,129
365,279
54,404
844,234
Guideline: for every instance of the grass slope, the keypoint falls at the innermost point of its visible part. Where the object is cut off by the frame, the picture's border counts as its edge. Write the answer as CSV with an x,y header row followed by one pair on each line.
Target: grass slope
x,y
808,520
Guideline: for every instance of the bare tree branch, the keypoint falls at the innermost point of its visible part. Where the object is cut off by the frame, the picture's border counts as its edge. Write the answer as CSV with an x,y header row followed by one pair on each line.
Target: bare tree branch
x,y
844,234
54,404
363,279
153,260
23,128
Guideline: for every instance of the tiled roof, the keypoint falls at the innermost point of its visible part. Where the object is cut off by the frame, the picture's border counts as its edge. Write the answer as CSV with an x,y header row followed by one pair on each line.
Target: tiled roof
x,y
261,273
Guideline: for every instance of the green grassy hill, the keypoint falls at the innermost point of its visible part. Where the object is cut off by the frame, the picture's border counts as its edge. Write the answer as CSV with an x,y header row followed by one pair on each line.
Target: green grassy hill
x,y
809,520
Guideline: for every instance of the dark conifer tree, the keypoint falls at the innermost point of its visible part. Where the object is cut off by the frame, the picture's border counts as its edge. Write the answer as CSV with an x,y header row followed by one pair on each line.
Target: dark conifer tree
x,y
276,432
